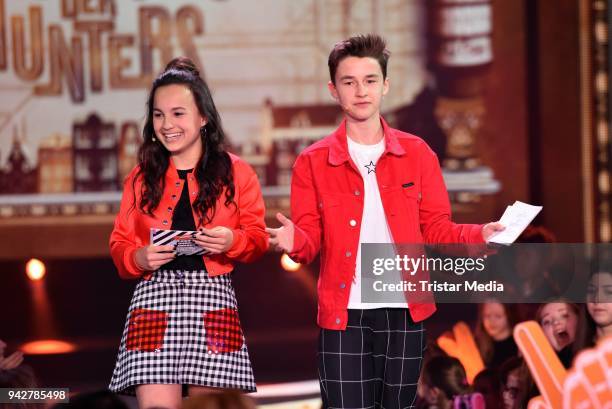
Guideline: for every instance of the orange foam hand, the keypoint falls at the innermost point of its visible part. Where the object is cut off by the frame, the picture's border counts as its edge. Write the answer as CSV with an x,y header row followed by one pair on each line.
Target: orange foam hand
x,y
588,383
538,403
460,344
544,365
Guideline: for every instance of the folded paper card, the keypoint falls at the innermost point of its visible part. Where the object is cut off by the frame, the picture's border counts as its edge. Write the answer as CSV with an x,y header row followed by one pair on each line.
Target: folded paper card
x,y
516,218
182,240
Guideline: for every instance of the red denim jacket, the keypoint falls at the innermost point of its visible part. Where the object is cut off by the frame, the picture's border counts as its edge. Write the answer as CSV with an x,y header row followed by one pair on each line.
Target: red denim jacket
x,y
327,205
132,227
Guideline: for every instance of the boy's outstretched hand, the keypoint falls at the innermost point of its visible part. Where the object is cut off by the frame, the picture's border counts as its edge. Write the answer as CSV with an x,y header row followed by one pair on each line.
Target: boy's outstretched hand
x,y
281,239
490,229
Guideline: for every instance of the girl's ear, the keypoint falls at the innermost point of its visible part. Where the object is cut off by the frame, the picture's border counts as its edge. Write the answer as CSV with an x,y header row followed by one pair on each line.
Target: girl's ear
x,y
433,394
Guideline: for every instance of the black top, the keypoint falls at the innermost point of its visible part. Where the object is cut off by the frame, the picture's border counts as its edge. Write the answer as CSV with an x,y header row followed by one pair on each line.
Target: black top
x,y
566,356
182,219
502,350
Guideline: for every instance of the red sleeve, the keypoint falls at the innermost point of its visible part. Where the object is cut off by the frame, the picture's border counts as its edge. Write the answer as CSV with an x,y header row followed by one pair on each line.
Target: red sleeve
x,y
250,238
123,239
434,210
304,213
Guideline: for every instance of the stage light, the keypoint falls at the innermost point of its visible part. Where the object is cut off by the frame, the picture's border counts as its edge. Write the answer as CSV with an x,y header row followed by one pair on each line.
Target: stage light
x,y
289,264
47,347
35,269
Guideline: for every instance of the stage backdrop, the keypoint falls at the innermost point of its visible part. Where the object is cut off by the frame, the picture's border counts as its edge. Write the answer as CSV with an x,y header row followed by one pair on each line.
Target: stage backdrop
x,y
74,76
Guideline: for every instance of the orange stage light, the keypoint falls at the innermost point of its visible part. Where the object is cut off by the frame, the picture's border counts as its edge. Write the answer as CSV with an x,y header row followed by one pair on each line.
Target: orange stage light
x,y
47,347
35,269
288,264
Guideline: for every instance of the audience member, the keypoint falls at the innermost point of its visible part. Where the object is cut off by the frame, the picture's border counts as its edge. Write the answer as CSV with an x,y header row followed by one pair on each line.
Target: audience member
x,y
487,383
494,333
559,321
596,315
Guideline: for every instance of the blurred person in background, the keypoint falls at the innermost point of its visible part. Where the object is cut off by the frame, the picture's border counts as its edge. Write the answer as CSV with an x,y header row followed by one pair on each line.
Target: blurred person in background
x,y
15,374
494,333
596,315
9,362
487,383
444,382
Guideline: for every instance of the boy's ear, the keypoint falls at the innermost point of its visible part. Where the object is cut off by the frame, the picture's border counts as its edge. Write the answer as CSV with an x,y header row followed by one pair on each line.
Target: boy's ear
x,y
385,86
332,90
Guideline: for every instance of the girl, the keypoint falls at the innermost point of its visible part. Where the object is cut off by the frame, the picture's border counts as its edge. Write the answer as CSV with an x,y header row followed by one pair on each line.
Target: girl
x,y
513,383
494,333
182,327
559,320
596,317
443,384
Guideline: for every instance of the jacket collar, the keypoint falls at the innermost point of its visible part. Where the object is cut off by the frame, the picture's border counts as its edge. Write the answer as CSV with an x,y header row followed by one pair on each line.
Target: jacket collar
x,y
338,149
172,175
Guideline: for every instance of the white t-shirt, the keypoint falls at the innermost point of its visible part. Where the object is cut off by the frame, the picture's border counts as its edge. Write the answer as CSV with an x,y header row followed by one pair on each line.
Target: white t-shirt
x,y
374,226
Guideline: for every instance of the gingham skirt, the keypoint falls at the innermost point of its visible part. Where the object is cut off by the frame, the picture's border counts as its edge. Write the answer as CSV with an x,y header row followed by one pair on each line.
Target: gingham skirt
x,y
183,328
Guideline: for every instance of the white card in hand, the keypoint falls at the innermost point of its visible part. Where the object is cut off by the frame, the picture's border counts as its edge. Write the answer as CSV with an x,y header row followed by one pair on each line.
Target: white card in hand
x,y
182,240
516,218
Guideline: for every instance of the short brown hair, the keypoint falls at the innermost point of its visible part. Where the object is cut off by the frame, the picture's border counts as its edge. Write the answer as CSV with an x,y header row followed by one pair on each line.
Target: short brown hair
x,y
369,45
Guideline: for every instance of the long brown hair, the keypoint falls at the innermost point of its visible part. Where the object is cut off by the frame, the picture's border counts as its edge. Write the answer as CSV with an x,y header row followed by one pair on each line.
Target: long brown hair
x,y
213,171
483,339
447,374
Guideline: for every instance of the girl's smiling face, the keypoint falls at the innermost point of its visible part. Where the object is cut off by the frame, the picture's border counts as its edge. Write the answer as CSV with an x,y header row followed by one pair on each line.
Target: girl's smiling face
x,y
177,122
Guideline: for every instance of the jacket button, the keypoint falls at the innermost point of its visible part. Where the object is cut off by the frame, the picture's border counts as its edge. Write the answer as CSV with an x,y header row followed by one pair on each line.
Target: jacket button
x,y
357,192
353,222
178,184
348,254
169,209
342,285
337,320
165,222
173,197
320,205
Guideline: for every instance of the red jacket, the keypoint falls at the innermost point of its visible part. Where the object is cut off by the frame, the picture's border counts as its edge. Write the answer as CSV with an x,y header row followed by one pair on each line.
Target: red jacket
x,y
327,205
132,227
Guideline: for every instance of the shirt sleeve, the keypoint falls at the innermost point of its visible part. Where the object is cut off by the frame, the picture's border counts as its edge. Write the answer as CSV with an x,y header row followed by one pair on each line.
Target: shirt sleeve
x,y
123,239
304,213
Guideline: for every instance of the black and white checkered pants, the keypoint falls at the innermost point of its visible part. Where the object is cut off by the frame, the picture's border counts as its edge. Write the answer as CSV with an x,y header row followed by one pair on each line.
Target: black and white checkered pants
x,y
374,363
183,328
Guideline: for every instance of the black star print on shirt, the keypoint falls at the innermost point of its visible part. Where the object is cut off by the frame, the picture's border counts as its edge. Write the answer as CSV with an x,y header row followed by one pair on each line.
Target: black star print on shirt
x,y
371,167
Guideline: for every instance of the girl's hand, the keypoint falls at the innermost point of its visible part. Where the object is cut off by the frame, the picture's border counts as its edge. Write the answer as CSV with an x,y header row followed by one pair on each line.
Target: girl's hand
x,y
12,361
150,258
216,240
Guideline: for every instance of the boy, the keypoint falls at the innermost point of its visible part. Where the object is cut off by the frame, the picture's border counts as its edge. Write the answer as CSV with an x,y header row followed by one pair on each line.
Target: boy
x,y
366,183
